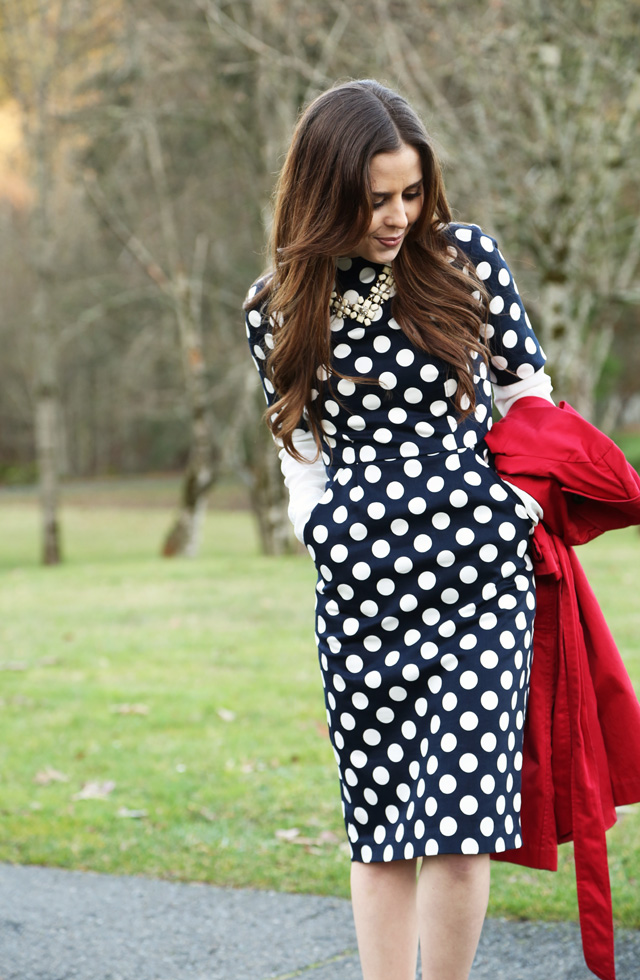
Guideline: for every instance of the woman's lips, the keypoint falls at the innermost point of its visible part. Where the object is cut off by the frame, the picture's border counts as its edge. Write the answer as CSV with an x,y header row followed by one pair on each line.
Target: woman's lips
x,y
391,242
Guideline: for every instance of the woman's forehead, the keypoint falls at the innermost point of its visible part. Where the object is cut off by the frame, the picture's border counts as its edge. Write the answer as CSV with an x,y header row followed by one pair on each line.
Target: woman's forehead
x,y
396,169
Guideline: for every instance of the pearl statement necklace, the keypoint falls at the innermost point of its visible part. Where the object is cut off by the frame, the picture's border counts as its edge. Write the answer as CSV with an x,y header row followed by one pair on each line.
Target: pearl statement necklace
x,y
363,310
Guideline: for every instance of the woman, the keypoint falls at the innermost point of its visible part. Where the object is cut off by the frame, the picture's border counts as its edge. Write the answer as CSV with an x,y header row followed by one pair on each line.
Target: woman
x,y
380,337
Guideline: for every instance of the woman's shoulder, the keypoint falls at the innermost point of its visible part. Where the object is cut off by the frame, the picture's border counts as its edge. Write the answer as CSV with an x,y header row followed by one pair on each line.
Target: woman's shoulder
x,y
471,238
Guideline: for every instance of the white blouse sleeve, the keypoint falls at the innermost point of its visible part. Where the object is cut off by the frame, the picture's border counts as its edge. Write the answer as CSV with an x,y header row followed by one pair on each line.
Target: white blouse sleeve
x,y
538,385
304,481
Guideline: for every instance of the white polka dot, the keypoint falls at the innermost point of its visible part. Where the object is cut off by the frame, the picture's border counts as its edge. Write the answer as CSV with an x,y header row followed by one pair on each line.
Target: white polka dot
x,y
388,853
447,784
358,532
358,759
469,805
438,407
486,826
347,721
376,511
385,715
468,574
507,531
413,396
483,270
341,350
489,700
488,742
363,365
361,571
449,661
390,623
399,526
448,826
483,514
468,680
397,693
449,701
381,775
373,679
441,520
424,429
468,762
383,435
354,663
371,736
395,490
448,742
387,380
515,312
405,357
411,672
488,552
320,533
397,416
504,277
468,721
371,402
429,373
380,548
445,559
339,553
381,344
463,234
465,536
413,468
356,422
458,498
403,564
386,586
417,505
429,650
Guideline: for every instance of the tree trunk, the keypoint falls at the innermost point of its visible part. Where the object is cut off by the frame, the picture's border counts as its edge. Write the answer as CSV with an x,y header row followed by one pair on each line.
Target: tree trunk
x,y
202,469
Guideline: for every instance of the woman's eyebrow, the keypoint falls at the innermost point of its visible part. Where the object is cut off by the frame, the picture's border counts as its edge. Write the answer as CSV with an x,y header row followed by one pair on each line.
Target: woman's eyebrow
x,y
409,187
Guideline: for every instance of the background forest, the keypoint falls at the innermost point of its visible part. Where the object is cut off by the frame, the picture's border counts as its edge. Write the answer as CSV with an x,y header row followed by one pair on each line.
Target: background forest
x,y
139,143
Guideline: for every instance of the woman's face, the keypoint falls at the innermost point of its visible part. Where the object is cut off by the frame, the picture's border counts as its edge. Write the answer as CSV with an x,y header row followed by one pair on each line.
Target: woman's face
x,y
397,186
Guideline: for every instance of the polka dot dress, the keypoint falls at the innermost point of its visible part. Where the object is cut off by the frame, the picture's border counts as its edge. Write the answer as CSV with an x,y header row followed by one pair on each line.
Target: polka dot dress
x,y
425,599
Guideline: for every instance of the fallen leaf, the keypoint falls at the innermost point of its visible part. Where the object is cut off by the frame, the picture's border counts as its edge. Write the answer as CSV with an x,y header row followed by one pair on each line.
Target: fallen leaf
x,y
226,715
95,790
328,837
289,833
202,812
131,814
50,775
130,709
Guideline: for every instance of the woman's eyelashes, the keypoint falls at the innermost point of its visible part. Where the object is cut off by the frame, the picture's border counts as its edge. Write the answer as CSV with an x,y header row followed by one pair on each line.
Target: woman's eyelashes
x,y
409,196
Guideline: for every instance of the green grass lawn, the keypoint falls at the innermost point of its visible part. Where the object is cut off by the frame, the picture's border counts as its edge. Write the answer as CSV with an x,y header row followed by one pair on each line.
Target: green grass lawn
x,y
186,696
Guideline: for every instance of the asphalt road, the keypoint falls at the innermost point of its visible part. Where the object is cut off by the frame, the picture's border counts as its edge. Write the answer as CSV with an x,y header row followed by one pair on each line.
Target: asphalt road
x,y
69,925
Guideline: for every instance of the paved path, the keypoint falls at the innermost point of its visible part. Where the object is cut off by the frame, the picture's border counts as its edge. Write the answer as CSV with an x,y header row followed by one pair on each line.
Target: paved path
x,y
68,925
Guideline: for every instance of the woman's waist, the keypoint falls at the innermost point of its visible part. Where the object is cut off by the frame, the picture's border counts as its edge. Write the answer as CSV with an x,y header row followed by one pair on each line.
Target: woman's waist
x,y
363,453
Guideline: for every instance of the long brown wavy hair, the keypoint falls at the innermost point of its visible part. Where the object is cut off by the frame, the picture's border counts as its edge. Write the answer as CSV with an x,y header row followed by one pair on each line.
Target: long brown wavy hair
x,y
323,208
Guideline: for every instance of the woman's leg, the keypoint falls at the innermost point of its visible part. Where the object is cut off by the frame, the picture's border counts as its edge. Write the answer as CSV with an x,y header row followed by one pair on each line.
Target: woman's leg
x,y
384,909
453,892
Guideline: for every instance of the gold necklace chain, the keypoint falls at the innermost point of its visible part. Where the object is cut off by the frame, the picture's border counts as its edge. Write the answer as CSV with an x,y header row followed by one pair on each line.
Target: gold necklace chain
x,y
364,309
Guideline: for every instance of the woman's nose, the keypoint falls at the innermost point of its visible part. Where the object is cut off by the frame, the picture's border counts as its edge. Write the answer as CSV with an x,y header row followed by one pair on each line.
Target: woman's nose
x,y
397,216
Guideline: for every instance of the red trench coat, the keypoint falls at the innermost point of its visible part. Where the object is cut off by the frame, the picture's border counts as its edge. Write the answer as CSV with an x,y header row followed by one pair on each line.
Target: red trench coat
x,y
582,732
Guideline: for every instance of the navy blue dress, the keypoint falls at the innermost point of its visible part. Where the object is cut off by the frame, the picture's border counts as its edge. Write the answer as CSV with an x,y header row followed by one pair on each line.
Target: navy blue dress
x,y
425,597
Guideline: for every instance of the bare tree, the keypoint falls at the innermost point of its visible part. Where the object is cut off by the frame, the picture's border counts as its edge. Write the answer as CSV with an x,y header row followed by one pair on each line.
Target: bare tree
x,y
43,51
